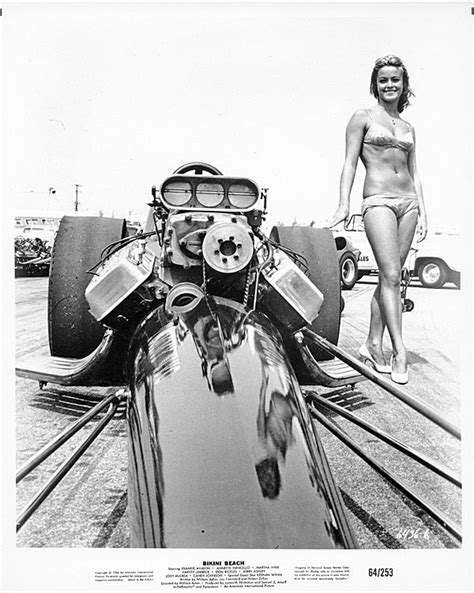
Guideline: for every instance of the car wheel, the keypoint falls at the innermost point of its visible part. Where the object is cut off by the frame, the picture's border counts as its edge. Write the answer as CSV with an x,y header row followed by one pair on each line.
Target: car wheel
x,y
432,273
349,271
73,332
318,248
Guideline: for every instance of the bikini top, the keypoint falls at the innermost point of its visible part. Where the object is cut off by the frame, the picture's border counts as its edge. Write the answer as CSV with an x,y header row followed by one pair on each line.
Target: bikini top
x,y
378,135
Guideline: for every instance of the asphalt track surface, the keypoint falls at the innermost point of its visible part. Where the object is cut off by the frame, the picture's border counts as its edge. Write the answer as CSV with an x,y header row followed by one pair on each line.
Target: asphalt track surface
x,y
89,507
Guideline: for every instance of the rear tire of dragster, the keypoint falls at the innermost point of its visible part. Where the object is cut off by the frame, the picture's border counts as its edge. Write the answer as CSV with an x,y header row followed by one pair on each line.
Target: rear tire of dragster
x,y
317,246
73,332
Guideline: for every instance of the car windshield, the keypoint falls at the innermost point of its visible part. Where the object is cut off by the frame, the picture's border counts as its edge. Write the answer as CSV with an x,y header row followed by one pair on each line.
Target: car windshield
x,y
355,223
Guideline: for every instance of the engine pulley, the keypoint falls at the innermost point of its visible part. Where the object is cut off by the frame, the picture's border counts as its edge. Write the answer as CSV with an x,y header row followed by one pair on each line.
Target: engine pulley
x,y
227,247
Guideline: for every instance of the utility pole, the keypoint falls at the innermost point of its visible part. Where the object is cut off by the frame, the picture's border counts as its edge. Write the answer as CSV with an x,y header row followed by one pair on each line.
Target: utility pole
x,y
76,202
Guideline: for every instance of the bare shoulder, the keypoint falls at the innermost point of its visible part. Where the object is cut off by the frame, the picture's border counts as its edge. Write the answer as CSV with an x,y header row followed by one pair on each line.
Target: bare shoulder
x,y
361,115
359,119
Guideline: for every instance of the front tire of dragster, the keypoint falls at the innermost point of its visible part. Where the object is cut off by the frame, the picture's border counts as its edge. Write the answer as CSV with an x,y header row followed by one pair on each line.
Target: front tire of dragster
x,y
317,246
73,332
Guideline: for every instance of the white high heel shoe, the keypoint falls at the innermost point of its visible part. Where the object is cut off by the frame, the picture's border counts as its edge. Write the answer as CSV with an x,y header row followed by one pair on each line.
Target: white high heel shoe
x,y
400,378
380,368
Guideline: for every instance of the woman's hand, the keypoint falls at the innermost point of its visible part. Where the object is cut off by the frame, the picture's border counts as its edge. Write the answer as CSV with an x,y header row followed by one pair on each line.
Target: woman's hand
x,y
339,216
421,229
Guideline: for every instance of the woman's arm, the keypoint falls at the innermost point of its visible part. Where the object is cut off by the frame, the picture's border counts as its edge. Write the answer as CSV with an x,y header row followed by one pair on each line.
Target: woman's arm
x,y
354,137
422,218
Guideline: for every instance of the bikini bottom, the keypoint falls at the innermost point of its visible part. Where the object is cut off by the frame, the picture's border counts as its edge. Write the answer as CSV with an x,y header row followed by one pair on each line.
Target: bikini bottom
x,y
399,204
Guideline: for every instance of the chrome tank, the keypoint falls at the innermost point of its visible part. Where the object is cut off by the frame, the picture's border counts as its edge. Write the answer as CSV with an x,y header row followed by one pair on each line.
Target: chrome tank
x,y
223,453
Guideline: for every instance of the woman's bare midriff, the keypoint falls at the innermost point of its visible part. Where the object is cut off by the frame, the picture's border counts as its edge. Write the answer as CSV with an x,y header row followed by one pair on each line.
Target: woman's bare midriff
x,y
386,171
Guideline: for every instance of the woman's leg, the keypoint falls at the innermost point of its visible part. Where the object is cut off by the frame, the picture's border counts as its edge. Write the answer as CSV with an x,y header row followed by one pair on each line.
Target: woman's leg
x,y
382,230
406,231
377,325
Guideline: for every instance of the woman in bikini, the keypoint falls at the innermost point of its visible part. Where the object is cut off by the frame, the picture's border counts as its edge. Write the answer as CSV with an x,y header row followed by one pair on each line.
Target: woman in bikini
x,y
392,205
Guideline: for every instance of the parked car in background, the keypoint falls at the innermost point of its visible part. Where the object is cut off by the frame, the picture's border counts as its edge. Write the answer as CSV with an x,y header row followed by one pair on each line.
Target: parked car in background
x,y
348,262
435,261
438,260
354,233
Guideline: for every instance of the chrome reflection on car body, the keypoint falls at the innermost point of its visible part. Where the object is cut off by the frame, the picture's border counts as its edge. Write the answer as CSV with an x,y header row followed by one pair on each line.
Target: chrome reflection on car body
x,y
220,456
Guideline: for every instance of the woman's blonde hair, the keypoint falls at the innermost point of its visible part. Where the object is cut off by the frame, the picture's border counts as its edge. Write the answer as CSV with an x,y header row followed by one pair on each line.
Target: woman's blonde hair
x,y
392,60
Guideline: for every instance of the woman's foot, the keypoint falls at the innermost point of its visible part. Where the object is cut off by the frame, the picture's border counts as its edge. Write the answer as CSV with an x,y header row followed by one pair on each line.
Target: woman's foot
x,y
375,358
399,370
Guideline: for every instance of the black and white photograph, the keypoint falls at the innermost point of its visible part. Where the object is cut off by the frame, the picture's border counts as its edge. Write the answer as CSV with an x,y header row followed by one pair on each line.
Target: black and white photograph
x,y
237,307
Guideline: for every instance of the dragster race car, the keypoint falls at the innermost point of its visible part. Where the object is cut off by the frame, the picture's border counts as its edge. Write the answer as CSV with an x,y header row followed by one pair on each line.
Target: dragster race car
x,y
209,329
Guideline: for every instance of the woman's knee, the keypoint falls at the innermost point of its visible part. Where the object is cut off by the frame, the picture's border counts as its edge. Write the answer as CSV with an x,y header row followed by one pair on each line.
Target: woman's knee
x,y
390,276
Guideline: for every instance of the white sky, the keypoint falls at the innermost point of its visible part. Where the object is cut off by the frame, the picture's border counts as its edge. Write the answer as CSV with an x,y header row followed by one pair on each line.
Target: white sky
x,y
116,96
